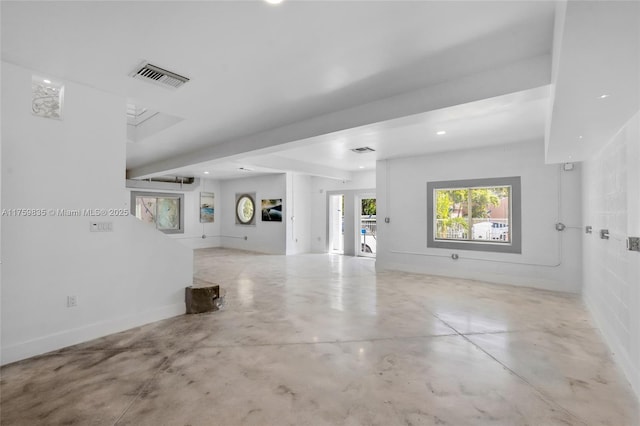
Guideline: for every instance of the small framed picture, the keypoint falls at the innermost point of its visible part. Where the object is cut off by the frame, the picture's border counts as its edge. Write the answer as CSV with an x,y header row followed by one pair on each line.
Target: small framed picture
x,y
272,210
245,209
206,207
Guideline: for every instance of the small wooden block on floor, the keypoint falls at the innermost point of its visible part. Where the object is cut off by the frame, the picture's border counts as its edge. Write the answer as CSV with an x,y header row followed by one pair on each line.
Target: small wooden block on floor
x,y
202,298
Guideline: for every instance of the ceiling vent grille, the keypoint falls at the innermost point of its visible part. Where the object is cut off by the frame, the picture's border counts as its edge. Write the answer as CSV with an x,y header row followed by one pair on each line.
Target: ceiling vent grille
x,y
363,150
154,74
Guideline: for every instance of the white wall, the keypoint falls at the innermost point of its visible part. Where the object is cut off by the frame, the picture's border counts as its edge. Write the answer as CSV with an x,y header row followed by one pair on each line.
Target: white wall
x,y
291,236
304,200
265,237
123,278
611,200
193,229
549,259
321,189
298,219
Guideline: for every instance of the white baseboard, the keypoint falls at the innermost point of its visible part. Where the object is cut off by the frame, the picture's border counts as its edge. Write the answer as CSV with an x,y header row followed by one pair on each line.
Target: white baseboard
x,y
74,336
617,351
508,279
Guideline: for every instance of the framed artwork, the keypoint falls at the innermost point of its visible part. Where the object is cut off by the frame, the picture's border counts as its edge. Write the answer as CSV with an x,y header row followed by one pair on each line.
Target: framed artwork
x,y
271,210
206,207
245,209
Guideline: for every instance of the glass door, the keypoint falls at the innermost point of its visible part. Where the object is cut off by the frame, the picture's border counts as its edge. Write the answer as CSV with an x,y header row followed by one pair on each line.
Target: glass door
x,y
368,227
336,224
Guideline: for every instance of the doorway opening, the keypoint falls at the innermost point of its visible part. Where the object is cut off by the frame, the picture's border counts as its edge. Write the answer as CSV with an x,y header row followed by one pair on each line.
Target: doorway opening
x,y
336,224
368,227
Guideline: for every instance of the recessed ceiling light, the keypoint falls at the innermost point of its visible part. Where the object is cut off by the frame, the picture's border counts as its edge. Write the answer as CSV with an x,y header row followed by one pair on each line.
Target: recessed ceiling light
x,y
273,1
604,96
361,167
441,132
47,81
579,137
206,173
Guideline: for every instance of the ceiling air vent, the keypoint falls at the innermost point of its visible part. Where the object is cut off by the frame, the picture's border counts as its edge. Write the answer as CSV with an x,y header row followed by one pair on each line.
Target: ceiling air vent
x,y
362,150
157,75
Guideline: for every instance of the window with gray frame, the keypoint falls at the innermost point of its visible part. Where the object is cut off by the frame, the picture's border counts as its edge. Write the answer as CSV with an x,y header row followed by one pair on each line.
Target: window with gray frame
x,y
164,210
475,214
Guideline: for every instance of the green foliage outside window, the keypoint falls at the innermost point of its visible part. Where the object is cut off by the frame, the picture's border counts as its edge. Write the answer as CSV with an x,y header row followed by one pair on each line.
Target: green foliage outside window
x,y
368,206
454,205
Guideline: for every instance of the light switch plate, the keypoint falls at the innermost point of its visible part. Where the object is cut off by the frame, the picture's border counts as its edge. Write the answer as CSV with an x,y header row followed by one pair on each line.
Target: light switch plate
x,y
101,226
633,243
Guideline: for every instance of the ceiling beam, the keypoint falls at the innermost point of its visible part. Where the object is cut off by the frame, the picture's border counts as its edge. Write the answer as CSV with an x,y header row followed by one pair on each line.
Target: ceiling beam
x,y
510,78
289,165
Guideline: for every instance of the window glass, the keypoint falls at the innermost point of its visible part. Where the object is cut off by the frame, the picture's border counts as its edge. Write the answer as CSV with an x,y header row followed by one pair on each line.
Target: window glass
x,y
165,211
481,213
146,209
168,213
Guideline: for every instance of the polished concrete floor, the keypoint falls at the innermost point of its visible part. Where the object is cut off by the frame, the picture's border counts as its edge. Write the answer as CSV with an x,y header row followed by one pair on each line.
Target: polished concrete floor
x,y
324,340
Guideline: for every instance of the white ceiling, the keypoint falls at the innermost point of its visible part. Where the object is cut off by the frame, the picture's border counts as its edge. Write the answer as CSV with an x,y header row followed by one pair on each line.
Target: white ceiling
x,y
504,119
289,87
596,77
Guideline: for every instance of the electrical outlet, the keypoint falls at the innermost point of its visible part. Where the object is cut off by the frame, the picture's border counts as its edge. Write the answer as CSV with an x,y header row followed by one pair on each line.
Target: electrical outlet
x,y
72,301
